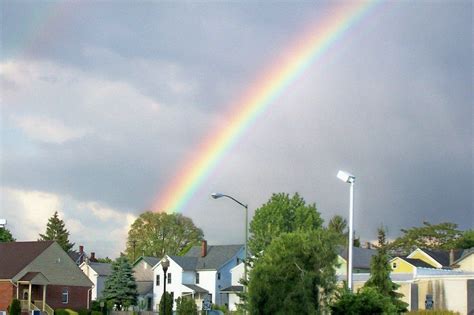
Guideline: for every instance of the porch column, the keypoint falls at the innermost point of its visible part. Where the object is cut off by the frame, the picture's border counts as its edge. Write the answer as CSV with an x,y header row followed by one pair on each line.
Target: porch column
x,y
17,290
44,296
29,296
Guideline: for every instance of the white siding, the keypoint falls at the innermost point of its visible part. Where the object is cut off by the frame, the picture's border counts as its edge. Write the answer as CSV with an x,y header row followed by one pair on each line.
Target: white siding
x,y
175,286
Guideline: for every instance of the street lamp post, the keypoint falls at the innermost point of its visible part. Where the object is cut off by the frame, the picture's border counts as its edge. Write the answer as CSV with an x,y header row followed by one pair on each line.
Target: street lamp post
x,y
349,178
219,195
165,265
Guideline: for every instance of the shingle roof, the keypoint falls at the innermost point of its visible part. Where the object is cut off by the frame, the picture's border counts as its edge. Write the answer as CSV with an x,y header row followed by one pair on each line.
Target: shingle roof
x,y
464,254
233,288
14,256
102,269
442,256
417,262
217,255
152,261
187,263
196,288
361,257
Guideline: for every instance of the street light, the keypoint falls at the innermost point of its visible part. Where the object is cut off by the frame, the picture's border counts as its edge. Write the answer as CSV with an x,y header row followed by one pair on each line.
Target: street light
x,y
165,265
219,195
349,178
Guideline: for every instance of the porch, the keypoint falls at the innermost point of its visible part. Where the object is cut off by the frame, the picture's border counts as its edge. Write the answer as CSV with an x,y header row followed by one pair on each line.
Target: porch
x,y
31,291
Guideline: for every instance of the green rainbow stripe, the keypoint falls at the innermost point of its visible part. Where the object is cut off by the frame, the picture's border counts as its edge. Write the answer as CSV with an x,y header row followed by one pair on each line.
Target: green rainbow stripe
x,y
307,50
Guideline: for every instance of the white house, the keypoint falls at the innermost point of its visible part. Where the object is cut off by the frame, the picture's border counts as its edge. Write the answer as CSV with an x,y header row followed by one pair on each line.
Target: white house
x,y
143,273
237,274
97,273
201,274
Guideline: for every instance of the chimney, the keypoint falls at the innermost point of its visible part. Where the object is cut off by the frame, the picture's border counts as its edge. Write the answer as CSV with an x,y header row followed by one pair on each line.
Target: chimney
x,y
368,245
81,254
203,248
81,249
451,257
93,257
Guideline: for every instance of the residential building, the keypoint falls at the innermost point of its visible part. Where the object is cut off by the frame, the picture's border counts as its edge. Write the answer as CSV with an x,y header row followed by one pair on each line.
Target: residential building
x,y
237,274
42,276
202,274
361,258
143,273
98,274
466,261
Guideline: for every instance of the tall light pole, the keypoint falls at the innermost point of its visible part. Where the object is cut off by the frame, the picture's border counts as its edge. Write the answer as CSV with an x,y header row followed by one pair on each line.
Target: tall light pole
x,y
349,178
219,195
165,265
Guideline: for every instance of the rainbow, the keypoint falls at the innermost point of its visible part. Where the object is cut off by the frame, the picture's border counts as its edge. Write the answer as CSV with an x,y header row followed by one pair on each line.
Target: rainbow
x,y
308,49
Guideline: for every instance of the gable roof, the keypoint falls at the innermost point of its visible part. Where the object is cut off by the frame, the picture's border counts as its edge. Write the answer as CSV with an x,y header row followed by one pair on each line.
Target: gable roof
x,y
417,262
217,255
14,256
465,254
187,263
152,261
361,257
442,256
102,269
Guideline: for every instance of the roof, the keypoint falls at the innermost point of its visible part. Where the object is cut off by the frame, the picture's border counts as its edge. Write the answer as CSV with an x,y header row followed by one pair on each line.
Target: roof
x,y
34,278
417,262
152,261
144,287
233,288
14,256
464,254
102,269
442,256
361,257
217,255
196,288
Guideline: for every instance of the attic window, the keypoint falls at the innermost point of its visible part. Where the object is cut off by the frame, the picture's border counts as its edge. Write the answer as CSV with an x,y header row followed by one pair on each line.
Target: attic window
x,y
65,296
394,265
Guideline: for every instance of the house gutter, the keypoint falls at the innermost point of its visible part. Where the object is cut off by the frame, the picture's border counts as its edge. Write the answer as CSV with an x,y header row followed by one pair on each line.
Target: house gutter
x,y
89,295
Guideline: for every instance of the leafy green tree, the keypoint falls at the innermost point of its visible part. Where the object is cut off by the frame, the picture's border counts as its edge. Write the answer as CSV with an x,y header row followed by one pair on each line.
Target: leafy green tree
x,y
430,236
466,240
186,306
120,287
338,225
281,214
105,260
56,231
380,274
6,235
169,304
154,234
294,275
365,301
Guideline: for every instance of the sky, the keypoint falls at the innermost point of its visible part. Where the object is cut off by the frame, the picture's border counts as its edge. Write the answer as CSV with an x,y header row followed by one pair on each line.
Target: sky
x,y
104,103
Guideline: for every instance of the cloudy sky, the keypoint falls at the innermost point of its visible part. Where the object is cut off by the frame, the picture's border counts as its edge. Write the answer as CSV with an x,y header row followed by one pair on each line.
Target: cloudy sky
x,y
102,103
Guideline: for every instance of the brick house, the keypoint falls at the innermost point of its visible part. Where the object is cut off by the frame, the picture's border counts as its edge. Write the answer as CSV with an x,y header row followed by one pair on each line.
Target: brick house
x,y
42,276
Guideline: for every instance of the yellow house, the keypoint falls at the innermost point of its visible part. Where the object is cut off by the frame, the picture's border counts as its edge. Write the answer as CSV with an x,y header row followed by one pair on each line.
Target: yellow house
x,y
466,262
407,265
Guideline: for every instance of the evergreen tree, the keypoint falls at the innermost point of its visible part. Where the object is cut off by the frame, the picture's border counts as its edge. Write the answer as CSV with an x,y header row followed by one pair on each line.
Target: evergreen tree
x,y
186,306
169,304
6,235
56,231
380,274
120,287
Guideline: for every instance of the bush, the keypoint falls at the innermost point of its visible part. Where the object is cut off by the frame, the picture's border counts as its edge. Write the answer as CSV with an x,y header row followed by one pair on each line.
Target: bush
x,y
60,311
96,313
71,312
15,307
432,312
169,304
84,311
365,301
186,306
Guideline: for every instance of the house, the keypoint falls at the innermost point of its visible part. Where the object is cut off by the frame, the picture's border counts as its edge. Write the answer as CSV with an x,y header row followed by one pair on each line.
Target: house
x,y
97,273
466,261
436,258
237,274
143,273
81,256
200,274
42,276
361,258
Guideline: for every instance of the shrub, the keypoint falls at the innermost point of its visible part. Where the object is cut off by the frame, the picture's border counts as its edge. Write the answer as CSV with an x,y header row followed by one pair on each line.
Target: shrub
x,y
15,307
186,306
60,311
96,313
365,301
84,311
71,312
432,312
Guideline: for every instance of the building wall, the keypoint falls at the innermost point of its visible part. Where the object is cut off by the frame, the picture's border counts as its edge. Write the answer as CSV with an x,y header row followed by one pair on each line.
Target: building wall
x,y
78,297
7,292
467,264
448,294
143,271
208,281
401,266
92,275
174,287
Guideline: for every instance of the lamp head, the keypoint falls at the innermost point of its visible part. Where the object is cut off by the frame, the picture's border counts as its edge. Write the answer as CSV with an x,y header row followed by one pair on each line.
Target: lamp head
x,y
217,195
165,263
346,177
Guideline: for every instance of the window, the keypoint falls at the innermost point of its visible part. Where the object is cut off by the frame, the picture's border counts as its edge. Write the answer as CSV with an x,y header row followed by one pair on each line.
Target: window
x,y
169,277
157,280
394,265
197,277
218,276
65,296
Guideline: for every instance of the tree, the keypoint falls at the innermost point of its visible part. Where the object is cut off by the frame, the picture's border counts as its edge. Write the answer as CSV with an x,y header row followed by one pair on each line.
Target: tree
x,y
380,274
156,234
186,306
6,235
430,236
120,287
15,307
281,214
466,240
169,304
56,231
294,275
338,225
365,301
105,260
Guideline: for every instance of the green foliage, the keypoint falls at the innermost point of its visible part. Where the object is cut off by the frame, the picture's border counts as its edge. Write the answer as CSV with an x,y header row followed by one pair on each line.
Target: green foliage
x,y
186,306
295,274
105,260
120,287
154,234
60,311
56,230
430,236
96,313
6,235
380,274
432,312
169,304
365,301
281,214
71,312
466,240
15,307
83,312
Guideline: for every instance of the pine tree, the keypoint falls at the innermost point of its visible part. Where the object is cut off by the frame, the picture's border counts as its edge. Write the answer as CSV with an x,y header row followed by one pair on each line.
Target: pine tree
x,y
6,235
56,231
380,274
120,287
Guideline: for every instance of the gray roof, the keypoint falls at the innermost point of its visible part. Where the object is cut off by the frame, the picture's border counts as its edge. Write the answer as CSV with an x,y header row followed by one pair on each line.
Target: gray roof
x,y
196,288
465,253
152,261
144,287
360,256
102,269
232,289
417,262
217,255
442,256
